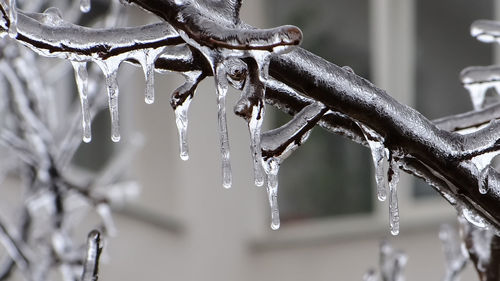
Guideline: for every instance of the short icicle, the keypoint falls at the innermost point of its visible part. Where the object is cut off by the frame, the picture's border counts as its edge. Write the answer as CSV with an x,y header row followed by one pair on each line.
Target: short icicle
x,y
393,178
477,94
380,155
85,6
181,120
82,77
271,167
147,60
222,87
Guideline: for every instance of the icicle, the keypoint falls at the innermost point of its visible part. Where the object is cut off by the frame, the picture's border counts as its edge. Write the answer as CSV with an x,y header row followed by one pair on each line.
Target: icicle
x,y
82,78
52,16
271,167
85,6
180,101
181,120
251,106
456,255
393,176
254,126
380,156
105,212
12,19
110,71
147,60
222,87
91,265
477,94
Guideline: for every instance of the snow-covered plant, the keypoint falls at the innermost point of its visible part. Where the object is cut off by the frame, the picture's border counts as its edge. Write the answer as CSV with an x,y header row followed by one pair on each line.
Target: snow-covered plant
x,y
202,38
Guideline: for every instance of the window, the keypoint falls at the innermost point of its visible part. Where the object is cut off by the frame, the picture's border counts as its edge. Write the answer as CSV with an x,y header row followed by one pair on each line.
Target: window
x,y
312,185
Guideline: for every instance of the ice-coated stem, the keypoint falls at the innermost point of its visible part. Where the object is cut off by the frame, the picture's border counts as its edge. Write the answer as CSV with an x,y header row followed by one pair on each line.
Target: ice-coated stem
x,y
222,87
82,78
94,249
13,18
393,177
271,167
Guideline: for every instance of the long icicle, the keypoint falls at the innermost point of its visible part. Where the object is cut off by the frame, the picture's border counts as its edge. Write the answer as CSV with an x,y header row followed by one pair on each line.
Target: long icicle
x,y
222,87
82,78
393,178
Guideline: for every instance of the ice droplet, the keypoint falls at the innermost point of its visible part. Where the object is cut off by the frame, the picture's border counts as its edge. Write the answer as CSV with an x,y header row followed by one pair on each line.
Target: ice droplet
x,y
82,77
52,16
13,18
393,178
222,87
271,167
85,6
380,156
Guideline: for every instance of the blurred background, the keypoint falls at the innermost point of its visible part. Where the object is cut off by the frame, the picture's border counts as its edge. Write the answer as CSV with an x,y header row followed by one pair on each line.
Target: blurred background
x,y
186,226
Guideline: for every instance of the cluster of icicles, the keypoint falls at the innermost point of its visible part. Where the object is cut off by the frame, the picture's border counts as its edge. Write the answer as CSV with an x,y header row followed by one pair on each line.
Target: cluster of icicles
x,y
227,66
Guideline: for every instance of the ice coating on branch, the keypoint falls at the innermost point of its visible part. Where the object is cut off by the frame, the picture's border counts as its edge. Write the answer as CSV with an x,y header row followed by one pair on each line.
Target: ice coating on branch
x,y
147,58
392,262
483,165
110,70
380,156
393,179
180,101
82,79
91,264
271,167
456,255
486,31
478,79
85,6
473,218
